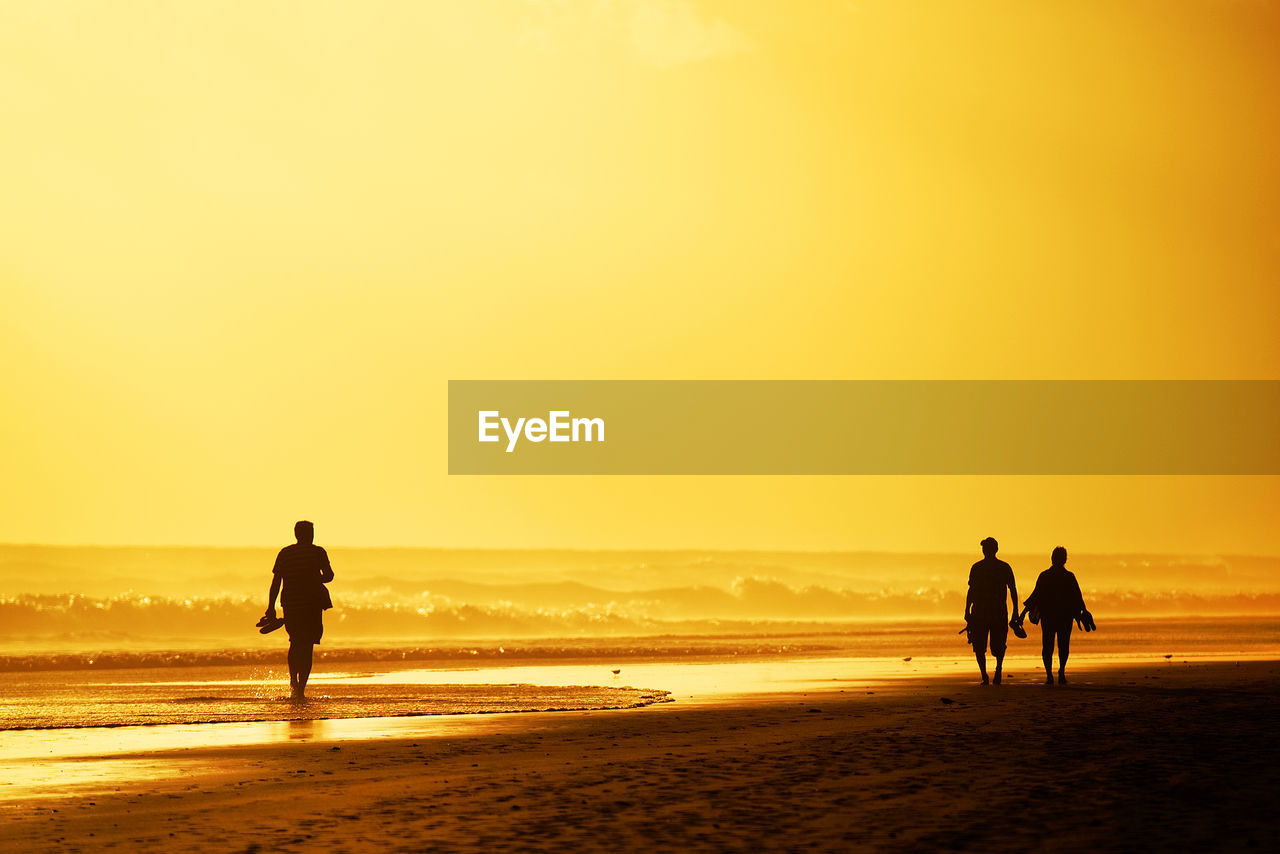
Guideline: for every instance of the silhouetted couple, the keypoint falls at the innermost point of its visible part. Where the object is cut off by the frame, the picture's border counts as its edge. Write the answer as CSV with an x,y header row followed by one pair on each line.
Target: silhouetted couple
x,y
1055,603
303,569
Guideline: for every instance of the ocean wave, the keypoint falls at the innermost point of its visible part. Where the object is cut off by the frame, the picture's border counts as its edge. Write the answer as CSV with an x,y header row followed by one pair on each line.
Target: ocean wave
x,y
747,606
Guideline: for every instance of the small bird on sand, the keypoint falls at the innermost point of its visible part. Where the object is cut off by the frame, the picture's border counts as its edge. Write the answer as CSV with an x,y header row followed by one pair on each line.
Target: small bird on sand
x,y
908,658
1170,655
617,671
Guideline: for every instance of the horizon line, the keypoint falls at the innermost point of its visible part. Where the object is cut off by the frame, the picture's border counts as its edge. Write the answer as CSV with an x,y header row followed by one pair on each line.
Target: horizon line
x,y
620,549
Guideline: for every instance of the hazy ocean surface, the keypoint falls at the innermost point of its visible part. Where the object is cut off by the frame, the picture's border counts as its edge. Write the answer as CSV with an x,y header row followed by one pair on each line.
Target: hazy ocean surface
x,y
89,599
139,686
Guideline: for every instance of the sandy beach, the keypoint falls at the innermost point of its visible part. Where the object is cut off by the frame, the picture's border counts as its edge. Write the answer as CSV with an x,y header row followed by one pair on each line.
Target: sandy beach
x,y
1125,758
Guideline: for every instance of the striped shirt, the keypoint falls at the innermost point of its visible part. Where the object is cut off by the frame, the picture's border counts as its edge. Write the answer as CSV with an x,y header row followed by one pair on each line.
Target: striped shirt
x,y
302,568
989,578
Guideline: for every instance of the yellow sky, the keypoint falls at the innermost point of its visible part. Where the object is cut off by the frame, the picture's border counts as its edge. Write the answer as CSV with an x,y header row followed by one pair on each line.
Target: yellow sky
x,y
243,246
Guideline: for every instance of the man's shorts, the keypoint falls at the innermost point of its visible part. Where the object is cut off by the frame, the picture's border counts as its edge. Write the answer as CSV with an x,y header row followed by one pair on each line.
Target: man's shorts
x,y
304,625
995,628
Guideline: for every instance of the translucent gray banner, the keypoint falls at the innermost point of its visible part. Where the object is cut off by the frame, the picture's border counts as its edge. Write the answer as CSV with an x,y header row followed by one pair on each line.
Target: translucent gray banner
x,y
864,427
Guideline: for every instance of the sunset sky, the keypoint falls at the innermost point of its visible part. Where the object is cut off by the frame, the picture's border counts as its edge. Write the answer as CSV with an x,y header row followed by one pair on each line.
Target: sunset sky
x,y
245,245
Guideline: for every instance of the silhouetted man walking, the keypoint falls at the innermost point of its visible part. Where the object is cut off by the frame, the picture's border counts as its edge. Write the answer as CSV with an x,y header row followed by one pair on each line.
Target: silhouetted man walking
x,y
984,610
303,568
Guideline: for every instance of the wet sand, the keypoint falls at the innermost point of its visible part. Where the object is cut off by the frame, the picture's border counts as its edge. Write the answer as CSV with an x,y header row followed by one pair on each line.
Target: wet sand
x,y
1172,756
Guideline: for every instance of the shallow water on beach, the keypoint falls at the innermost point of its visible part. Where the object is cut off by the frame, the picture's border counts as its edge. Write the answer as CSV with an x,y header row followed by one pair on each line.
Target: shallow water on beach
x,y
428,703
212,695
221,695
69,730
565,675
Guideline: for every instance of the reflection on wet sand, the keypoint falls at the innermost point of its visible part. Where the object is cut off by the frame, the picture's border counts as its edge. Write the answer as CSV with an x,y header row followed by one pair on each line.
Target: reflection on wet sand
x,y
307,729
66,762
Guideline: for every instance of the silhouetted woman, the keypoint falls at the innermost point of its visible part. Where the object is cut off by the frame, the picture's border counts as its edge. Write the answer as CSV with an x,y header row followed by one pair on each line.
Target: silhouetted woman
x,y
1058,601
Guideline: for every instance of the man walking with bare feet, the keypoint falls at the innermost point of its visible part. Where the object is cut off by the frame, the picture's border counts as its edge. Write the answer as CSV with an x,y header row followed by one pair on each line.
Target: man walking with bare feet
x,y
985,615
303,569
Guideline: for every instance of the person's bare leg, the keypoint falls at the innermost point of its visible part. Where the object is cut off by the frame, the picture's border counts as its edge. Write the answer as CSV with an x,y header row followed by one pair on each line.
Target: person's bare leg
x,y
1064,649
1046,650
299,669
305,653
995,680
982,665
293,670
